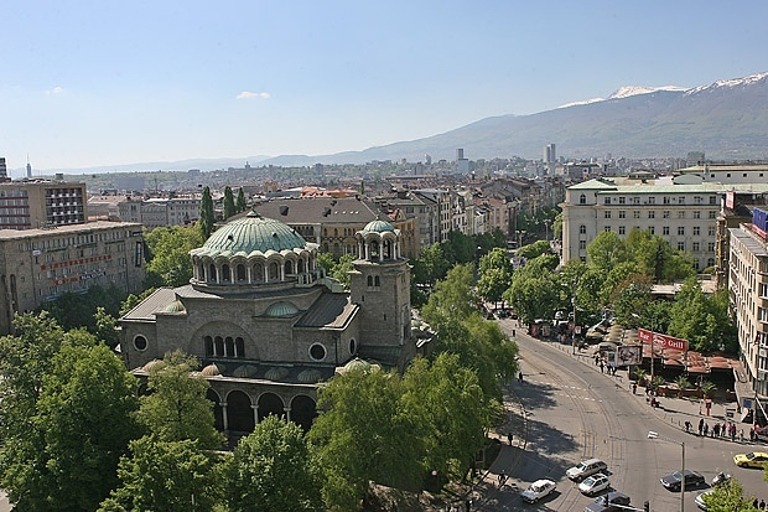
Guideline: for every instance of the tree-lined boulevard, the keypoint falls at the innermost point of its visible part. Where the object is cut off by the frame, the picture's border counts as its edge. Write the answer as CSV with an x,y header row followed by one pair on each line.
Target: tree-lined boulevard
x,y
575,412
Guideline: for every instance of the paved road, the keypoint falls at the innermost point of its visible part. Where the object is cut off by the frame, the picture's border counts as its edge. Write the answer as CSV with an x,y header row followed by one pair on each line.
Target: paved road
x,y
575,412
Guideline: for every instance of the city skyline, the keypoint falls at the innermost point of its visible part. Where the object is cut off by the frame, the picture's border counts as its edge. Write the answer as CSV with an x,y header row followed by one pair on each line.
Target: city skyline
x,y
101,85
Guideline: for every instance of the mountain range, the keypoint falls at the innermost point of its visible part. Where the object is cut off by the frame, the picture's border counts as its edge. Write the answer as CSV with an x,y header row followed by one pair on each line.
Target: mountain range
x,y
727,119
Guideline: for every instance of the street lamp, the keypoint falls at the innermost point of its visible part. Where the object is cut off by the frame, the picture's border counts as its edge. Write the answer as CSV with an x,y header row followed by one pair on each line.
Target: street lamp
x,y
655,435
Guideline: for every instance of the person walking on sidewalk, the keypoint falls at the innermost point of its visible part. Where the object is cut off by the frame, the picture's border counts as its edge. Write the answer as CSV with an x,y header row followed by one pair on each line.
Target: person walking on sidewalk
x,y
701,425
706,429
716,430
687,426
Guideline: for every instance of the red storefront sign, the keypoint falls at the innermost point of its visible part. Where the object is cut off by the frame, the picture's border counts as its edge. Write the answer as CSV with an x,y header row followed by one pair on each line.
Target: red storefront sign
x,y
662,340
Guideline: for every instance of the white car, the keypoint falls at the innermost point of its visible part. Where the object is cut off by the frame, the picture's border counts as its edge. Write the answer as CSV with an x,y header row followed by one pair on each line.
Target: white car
x,y
594,484
537,490
586,468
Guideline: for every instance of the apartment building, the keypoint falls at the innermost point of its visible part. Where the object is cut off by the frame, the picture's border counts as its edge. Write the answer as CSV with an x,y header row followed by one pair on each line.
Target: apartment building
x,y
38,265
38,203
159,212
333,222
682,210
424,209
748,286
728,174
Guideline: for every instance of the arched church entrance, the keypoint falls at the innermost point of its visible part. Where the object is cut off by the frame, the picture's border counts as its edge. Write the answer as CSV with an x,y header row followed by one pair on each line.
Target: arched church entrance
x,y
239,412
303,411
270,403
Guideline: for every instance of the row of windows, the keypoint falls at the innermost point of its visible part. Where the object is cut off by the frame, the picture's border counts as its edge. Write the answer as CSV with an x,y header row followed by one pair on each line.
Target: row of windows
x,y
666,214
54,243
228,346
652,229
651,200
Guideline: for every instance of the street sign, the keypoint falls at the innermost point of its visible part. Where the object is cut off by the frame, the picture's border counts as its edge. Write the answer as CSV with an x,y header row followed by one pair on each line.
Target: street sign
x,y
662,340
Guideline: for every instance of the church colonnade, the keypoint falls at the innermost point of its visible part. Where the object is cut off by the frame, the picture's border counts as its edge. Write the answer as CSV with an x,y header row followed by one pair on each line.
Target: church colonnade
x,y
237,411
258,268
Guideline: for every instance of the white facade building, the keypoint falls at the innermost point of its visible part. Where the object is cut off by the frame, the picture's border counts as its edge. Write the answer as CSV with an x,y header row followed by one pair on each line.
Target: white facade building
x,y
683,212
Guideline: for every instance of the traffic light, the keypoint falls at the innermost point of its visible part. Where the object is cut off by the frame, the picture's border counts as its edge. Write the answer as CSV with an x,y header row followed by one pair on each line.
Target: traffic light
x,y
647,506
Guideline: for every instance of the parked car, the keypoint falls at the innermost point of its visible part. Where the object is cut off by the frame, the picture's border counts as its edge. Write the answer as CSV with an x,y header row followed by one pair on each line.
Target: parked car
x,y
538,490
611,502
674,480
700,499
594,484
751,460
586,468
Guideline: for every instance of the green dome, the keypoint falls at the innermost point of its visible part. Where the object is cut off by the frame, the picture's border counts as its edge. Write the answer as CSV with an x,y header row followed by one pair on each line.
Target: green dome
x,y
254,233
281,309
378,226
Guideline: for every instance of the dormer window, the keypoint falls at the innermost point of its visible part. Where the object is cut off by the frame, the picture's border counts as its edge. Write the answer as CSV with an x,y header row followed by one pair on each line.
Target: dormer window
x,y
582,199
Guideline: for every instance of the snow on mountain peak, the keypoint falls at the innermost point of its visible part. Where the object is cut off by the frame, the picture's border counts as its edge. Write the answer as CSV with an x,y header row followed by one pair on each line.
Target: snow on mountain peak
x,y
732,82
635,90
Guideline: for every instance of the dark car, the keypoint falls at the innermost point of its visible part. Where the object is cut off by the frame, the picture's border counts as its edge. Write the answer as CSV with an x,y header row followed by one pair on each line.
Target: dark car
x,y
673,481
608,502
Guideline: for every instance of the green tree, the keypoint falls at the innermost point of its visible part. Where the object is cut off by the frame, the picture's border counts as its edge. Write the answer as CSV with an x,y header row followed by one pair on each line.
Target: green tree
x,y
73,311
535,292
176,407
452,298
433,395
362,423
240,204
229,203
728,497
86,415
172,476
207,220
435,264
325,260
170,247
690,317
606,251
342,268
534,250
493,283
631,299
272,470
495,258
106,328
459,248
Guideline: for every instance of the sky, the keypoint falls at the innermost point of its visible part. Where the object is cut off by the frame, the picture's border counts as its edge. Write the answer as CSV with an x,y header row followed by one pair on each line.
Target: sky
x,y
93,83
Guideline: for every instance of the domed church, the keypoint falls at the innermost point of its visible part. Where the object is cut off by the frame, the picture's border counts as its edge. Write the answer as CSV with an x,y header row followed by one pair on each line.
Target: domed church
x,y
269,326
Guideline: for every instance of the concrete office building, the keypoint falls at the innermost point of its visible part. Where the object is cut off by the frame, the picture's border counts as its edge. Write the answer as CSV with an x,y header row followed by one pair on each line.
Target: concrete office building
x,y
26,204
748,286
38,265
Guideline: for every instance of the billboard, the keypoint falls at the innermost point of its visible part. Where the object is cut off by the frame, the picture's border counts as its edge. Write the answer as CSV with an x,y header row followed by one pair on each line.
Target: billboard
x,y
630,355
662,340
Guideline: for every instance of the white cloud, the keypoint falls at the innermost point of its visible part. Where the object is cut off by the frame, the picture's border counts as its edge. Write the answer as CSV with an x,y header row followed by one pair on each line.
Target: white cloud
x,y
247,95
55,90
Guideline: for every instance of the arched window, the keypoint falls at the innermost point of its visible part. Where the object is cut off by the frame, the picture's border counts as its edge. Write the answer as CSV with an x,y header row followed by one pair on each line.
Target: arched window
x,y
377,281
218,347
582,199
583,229
208,345
212,273
370,281
258,273
288,268
229,346
239,347
273,271
241,273
301,266
225,273
201,272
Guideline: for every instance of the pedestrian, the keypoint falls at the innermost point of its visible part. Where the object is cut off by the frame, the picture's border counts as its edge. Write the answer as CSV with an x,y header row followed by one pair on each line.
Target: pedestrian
x,y
762,504
701,425
634,388
741,436
733,431
687,426
752,434
509,439
514,333
706,429
755,503
716,430
501,479
602,368
520,376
